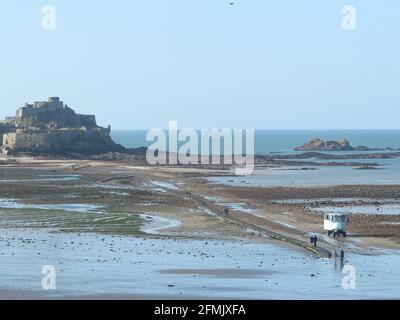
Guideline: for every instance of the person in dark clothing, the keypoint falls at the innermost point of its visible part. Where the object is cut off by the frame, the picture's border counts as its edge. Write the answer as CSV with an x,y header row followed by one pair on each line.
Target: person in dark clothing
x,y
315,240
341,259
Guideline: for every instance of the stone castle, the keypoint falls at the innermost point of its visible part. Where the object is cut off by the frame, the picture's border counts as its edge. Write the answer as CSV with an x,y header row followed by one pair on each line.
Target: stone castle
x,y
50,127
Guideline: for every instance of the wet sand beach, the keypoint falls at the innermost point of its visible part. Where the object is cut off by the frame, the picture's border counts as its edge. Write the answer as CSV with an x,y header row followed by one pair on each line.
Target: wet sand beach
x,y
116,229
93,266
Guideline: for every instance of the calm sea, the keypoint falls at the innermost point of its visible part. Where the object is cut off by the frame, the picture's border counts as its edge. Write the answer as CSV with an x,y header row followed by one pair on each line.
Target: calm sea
x,y
284,141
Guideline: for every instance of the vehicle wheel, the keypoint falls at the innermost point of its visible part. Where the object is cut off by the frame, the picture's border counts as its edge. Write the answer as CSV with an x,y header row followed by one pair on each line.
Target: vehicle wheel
x,y
329,233
334,234
344,234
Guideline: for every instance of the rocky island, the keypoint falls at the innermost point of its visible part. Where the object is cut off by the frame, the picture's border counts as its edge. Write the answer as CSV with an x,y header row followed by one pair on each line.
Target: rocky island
x,y
317,144
50,127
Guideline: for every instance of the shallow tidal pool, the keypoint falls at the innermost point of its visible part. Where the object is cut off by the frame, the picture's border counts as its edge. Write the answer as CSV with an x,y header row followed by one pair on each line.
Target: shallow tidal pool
x,y
90,264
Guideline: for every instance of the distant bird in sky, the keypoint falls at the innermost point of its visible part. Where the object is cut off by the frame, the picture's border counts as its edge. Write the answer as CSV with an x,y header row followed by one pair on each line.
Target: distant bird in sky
x,y
231,3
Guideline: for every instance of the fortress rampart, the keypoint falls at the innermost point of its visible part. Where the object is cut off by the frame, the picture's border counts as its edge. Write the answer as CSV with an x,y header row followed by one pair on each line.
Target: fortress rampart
x,y
29,110
67,140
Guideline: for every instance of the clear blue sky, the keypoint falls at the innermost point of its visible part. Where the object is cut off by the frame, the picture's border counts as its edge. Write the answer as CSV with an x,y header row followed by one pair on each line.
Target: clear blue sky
x,y
260,64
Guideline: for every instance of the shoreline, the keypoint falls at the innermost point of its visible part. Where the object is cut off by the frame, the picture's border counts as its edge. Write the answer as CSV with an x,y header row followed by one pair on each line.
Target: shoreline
x,y
185,193
175,194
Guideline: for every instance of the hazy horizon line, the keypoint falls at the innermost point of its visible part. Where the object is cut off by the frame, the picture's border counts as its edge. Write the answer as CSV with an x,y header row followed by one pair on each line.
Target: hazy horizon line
x,y
311,129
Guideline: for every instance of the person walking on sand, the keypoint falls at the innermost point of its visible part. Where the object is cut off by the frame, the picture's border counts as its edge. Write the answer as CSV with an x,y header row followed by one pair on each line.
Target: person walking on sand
x,y
315,240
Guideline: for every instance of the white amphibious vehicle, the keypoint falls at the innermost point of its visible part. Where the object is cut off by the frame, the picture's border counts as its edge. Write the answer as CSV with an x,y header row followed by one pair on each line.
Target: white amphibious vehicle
x,y
336,223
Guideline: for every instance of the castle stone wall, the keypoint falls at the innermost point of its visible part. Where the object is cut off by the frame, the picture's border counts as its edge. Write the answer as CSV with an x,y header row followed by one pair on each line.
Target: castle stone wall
x,y
88,120
9,140
5,128
88,141
26,112
30,110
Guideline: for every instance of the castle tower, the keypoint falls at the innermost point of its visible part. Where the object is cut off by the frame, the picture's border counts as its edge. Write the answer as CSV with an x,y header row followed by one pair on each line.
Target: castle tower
x,y
54,103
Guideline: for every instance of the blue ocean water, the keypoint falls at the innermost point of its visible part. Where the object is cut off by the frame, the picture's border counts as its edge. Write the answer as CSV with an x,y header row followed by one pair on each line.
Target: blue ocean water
x,y
284,141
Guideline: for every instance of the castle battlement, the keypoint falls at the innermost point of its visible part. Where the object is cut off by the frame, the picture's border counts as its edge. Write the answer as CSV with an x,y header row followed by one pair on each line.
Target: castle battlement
x,y
32,109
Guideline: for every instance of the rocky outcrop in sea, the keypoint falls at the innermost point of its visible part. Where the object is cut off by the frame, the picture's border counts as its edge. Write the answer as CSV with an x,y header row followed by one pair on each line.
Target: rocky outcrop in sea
x,y
318,144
